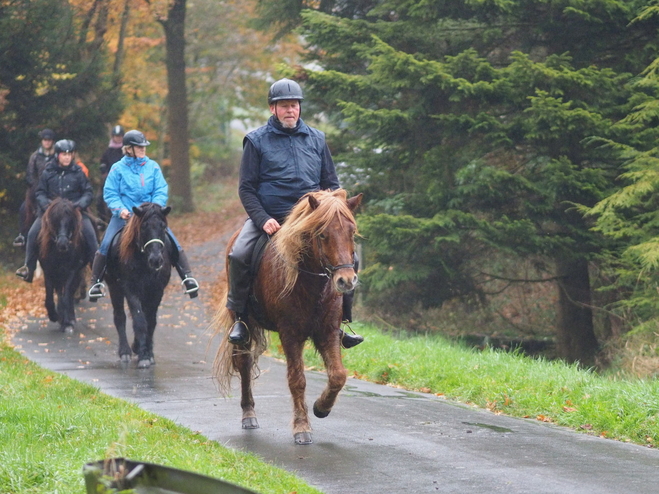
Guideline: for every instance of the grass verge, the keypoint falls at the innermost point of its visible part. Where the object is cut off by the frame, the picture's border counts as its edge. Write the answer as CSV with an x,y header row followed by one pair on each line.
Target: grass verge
x,y
52,425
506,383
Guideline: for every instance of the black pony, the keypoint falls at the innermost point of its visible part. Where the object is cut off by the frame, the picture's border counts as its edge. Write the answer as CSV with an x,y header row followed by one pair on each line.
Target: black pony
x,y
62,254
138,270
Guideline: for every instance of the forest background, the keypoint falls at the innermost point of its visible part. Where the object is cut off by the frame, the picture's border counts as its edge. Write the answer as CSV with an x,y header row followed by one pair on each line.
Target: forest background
x,y
506,148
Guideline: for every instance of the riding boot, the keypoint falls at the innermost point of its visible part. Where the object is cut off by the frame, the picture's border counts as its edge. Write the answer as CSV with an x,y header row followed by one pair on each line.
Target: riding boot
x,y
191,286
239,334
349,340
98,270
239,286
25,273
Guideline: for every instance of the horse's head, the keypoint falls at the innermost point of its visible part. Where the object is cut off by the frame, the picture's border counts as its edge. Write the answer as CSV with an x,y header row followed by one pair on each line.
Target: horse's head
x,y
333,243
317,238
146,232
61,225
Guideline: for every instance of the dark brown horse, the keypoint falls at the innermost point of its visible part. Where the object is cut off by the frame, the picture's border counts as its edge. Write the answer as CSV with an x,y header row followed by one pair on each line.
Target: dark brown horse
x,y
62,254
138,271
297,292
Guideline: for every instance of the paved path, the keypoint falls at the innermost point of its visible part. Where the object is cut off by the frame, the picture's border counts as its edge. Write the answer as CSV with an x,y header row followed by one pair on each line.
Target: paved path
x,y
377,439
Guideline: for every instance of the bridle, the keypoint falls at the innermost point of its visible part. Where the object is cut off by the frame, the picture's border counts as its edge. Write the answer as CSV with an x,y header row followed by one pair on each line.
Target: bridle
x,y
327,266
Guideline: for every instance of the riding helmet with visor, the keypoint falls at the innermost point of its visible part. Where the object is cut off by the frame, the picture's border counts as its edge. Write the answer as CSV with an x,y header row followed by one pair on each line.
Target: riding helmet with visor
x,y
284,89
118,130
65,146
135,138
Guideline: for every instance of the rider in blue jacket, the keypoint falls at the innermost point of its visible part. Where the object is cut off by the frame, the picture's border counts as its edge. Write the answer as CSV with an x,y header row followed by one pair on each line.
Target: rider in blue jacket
x,y
133,180
282,161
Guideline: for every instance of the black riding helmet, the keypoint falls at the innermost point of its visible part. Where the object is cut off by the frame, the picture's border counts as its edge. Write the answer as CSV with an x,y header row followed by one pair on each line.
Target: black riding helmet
x,y
65,146
47,134
135,138
118,130
284,89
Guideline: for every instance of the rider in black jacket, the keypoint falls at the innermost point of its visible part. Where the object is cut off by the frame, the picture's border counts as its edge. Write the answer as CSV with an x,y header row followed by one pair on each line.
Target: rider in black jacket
x,y
282,161
61,178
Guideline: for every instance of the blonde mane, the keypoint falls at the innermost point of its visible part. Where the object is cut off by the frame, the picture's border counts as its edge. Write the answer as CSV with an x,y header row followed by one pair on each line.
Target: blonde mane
x,y
305,223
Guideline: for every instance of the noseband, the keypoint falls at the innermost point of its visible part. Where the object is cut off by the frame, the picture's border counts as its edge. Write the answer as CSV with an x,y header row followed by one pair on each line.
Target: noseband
x,y
152,241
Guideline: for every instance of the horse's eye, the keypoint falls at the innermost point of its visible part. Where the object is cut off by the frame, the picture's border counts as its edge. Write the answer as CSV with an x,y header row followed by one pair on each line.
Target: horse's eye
x,y
322,236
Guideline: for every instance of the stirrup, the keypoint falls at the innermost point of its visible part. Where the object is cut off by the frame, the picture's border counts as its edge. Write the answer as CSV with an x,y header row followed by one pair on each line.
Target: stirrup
x,y
349,340
195,288
19,241
94,296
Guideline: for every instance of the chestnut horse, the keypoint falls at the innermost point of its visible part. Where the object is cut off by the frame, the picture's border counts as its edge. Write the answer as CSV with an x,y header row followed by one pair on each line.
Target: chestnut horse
x,y
138,270
297,292
62,254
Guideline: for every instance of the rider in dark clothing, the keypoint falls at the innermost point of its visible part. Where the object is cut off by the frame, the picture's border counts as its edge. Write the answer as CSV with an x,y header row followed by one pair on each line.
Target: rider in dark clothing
x,y
282,161
36,165
112,155
61,178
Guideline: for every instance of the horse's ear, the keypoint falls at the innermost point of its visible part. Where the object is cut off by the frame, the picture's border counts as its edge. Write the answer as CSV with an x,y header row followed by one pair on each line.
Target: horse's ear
x,y
138,211
313,202
165,211
354,202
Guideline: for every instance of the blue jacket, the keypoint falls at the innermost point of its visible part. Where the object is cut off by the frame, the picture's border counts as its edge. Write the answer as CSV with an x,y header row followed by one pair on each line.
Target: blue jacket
x,y
279,166
133,181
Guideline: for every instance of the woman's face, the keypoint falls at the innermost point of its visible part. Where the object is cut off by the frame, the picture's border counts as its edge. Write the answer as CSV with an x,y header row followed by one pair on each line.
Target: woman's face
x,y
140,151
64,158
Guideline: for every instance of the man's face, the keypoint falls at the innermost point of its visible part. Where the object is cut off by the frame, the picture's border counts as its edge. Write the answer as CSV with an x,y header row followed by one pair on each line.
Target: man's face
x,y
287,112
47,144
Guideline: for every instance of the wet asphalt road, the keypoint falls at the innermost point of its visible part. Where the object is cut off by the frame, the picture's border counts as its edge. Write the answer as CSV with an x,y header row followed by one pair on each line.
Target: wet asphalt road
x,y
377,439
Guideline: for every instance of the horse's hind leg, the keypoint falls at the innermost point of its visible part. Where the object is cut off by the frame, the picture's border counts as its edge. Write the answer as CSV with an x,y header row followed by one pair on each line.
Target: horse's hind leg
x,y
117,297
242,362
330,350
297,383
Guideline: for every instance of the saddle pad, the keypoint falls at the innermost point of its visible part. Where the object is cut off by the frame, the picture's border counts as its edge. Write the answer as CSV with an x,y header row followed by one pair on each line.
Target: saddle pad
x,y
257,255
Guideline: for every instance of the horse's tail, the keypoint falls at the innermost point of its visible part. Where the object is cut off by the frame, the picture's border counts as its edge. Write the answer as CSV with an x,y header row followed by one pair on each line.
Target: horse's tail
x,y
223,365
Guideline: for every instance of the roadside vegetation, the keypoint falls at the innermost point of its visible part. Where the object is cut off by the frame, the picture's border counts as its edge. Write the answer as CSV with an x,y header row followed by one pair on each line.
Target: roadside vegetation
x,y
611,406
52,425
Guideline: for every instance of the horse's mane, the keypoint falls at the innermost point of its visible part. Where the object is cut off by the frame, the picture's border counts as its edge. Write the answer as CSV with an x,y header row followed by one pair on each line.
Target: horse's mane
x,y
131,233
58,208
305,223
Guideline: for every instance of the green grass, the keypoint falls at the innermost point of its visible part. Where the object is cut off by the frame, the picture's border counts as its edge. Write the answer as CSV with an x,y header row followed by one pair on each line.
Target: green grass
x,y
51,425
512,384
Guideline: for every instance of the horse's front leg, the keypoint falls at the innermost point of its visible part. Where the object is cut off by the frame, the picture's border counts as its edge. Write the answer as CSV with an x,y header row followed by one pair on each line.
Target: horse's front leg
x,y
242,362
50,300
297,384
66,304
139,331
329,347
117,297
151,315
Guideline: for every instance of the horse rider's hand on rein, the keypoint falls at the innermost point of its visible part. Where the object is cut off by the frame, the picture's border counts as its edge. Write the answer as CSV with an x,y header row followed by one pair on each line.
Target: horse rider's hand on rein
x,y
271,226
125,214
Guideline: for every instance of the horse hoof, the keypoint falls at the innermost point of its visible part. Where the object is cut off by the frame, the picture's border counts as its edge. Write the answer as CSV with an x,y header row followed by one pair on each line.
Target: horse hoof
x,y
125,358
303,438
67,329
144,364
250,423
318,413
153,361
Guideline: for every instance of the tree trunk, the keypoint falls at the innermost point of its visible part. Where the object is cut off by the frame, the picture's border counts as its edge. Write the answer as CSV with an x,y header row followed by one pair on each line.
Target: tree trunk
x,y
177,102
119,57
576,336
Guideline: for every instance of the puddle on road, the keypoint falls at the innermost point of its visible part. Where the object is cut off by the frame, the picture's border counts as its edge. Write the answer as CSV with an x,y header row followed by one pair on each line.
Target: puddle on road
x,y
370,394
495,428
